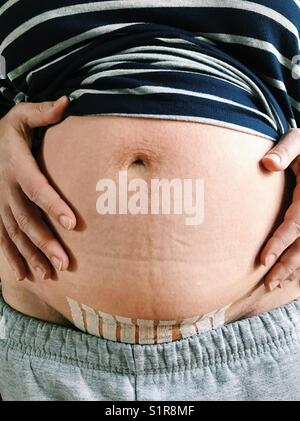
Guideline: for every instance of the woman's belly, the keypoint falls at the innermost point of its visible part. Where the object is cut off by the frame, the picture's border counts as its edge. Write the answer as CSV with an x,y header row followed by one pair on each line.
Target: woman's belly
x,y
155,265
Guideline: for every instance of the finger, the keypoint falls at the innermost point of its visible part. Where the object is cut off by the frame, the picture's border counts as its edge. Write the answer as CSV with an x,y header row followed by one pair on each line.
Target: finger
x,y
283,237
27,249
11,254
295,277
30,223
284,152
38,114
36,187
285,267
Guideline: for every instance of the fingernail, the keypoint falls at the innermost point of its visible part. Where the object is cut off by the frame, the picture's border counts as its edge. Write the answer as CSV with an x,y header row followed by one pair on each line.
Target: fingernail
x,y
57,263
40,272
19,278
58,99
62,97
66,222
275,158
270,259
274,284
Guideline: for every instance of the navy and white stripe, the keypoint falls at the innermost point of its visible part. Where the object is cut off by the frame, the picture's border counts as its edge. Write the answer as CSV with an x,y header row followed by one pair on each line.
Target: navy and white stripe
x,y
227,63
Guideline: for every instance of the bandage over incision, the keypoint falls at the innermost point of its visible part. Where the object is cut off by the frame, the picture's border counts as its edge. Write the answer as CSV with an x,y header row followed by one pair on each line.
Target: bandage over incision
x,y
142,331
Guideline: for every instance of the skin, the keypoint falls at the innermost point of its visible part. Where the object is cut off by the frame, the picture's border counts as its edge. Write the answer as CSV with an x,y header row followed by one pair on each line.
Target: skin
x,y
27,243
283,248
119,263
20,176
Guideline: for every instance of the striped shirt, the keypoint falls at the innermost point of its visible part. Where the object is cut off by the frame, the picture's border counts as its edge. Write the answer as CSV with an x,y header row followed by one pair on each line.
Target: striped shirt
x,y
232,63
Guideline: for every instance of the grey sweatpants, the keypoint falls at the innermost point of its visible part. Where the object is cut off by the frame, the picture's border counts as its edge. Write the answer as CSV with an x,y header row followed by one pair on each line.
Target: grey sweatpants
x,y
252,359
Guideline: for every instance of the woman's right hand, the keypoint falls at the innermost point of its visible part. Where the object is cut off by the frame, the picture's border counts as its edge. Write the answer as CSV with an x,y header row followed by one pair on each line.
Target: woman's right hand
x,y
25,239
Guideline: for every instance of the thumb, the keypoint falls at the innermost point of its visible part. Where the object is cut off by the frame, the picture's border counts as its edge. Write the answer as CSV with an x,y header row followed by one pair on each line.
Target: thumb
x,y
284,152
40,114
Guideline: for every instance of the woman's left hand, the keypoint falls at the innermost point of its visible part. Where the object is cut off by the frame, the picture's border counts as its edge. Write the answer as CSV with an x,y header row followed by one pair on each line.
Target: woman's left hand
x,y
283,248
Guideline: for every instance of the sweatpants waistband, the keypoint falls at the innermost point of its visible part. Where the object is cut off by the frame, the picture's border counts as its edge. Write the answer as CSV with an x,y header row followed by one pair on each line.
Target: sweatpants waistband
x,y
254,336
